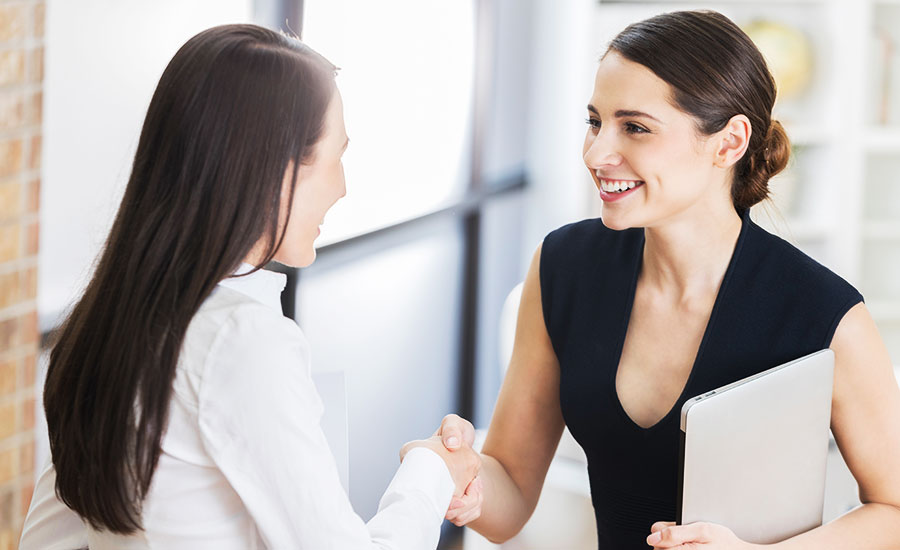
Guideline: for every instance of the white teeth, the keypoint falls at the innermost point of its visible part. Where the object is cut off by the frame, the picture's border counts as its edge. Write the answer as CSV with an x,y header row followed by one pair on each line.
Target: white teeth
x,y
617,186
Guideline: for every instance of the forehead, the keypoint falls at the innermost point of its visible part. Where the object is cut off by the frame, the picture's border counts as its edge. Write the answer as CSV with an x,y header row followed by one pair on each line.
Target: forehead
x,y
334,118
624,84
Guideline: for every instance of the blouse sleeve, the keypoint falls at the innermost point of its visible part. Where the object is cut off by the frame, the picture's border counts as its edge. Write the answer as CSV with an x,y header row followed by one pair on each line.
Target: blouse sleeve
x,y
259,420
50,524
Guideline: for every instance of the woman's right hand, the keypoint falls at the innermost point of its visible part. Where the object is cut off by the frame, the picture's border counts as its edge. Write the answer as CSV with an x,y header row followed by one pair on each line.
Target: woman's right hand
x,y
464,463
456,432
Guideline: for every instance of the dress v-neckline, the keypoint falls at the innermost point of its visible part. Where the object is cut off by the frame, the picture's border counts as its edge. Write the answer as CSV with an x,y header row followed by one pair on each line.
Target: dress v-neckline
x,y
636,270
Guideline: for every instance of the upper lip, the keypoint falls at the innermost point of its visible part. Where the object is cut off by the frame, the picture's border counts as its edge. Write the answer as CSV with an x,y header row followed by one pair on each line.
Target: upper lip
x,y
608,178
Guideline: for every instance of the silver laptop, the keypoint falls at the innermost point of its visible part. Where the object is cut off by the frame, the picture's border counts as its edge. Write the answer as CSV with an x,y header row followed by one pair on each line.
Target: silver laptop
x,y
753,453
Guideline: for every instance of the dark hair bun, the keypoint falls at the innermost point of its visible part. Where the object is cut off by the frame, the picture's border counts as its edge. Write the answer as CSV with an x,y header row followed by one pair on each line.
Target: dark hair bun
x,y
760,166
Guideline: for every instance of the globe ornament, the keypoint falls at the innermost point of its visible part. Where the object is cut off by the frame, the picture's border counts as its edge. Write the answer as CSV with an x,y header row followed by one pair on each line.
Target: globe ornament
x,y
788,53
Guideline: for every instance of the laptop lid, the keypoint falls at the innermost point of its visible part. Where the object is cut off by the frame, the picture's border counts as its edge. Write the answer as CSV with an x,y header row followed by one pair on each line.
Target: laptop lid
x,y
753,453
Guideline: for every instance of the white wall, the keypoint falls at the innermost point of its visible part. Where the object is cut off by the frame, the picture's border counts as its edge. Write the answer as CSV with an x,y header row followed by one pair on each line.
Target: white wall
x,y
103,60
562,77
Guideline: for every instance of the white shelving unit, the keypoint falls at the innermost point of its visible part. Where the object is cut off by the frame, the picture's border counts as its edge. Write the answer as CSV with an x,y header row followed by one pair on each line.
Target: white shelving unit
x,y
880,203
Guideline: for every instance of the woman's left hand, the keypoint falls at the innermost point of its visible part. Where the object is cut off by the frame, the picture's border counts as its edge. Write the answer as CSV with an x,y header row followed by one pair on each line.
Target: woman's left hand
x,y
695,536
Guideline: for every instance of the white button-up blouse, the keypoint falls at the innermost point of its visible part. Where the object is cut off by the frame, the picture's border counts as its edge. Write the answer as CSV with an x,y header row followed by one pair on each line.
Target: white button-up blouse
x,y
245,464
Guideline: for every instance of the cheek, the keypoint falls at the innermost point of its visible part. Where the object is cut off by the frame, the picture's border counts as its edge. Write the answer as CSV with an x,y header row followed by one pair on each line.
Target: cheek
x,y
339,184
588,139
670,163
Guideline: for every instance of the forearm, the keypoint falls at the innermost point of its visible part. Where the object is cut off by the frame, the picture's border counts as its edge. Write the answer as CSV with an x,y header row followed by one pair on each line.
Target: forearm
x,y
871,527
505,509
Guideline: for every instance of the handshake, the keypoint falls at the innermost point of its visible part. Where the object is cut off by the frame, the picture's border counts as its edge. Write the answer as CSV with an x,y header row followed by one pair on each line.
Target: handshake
x,y
453,442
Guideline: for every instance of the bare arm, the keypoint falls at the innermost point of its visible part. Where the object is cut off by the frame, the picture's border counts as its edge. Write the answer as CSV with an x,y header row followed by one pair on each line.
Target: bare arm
x,y
866,424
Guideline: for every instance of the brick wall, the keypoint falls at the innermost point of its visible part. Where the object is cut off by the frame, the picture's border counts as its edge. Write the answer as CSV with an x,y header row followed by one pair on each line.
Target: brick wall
x,y
21,85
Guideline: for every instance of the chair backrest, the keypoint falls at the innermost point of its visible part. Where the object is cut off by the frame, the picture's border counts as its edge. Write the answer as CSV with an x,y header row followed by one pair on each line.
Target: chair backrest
x,y
508,317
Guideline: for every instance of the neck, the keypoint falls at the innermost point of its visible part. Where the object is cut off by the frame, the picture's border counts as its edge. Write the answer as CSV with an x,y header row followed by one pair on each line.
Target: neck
x,y
689,256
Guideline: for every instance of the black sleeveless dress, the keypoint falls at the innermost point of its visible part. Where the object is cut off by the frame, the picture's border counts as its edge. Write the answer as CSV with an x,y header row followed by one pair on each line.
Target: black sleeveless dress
x,y
775,304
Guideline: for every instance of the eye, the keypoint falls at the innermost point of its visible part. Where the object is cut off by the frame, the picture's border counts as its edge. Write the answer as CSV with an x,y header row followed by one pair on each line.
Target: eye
x,y
632,128
593,123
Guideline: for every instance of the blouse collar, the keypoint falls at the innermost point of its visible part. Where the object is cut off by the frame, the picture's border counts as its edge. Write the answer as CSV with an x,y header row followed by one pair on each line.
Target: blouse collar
x,y
263,286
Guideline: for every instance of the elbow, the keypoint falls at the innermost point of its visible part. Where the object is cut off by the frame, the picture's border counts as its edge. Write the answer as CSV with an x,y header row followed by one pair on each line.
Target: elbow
x,y
495,534
500,538
503,533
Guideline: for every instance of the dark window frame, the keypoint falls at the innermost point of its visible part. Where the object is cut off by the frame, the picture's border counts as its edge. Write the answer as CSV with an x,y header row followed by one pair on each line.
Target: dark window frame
x,y
466,209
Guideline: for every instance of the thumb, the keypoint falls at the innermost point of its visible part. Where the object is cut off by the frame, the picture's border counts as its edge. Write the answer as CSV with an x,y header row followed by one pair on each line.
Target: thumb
x,y
660,525
451,438
450,432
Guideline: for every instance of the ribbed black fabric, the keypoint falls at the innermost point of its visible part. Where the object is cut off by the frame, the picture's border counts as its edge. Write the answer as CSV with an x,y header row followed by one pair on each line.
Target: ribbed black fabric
x,y
775,304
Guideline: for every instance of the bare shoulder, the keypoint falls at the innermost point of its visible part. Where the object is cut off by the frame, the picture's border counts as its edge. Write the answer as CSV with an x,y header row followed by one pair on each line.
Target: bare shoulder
x,y
858,346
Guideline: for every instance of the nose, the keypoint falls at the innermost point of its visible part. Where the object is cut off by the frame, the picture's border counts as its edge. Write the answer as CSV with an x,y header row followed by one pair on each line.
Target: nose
x,y
601,150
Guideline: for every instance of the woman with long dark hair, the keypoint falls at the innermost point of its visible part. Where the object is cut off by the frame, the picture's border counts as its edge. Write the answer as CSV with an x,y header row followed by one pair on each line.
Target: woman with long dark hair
x,y
673,292
179,403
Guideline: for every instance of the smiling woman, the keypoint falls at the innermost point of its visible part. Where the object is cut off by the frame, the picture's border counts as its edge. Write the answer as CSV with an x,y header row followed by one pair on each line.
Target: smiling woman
x,y
652,139
672,293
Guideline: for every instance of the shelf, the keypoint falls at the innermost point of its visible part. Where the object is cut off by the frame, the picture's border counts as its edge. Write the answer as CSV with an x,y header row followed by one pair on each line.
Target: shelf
x,y
881,230
806,135
883,139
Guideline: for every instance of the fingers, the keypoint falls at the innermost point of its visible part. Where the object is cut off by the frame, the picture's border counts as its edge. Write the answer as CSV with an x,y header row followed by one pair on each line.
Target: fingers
x,y
409,445
467,501
432,443
660,525
671,536
454,431
467,508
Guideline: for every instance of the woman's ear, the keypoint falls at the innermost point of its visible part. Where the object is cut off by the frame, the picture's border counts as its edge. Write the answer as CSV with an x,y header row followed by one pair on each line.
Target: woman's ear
x,y
732,141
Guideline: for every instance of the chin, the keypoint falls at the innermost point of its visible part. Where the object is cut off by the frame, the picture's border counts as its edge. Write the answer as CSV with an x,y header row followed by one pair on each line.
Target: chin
x,y
302,259
615,220
308,260
305,260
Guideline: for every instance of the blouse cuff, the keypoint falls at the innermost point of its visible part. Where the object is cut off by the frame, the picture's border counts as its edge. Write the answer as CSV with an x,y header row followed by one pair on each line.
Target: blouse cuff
x,y
423,471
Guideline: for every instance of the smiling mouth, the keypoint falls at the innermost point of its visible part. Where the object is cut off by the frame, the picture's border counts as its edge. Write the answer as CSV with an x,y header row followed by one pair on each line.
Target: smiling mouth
x,y
618,186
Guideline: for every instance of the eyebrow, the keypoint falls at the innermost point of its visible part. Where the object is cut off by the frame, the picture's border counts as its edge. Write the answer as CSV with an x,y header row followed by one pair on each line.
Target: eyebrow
x,y
625,113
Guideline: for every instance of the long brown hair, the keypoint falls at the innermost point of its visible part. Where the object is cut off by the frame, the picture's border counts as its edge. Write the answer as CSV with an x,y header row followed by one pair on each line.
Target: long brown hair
x,y
715,72
235,106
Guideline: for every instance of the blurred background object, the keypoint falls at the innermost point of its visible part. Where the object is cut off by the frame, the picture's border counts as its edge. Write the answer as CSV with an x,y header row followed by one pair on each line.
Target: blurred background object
x,y
788,53
466,121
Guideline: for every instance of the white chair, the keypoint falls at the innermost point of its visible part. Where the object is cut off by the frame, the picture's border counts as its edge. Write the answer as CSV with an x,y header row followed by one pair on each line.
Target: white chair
x,y
564,517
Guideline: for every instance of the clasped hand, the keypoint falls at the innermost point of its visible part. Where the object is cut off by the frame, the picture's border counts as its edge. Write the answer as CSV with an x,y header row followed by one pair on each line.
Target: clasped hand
x,y
694,536
453,442
457,435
